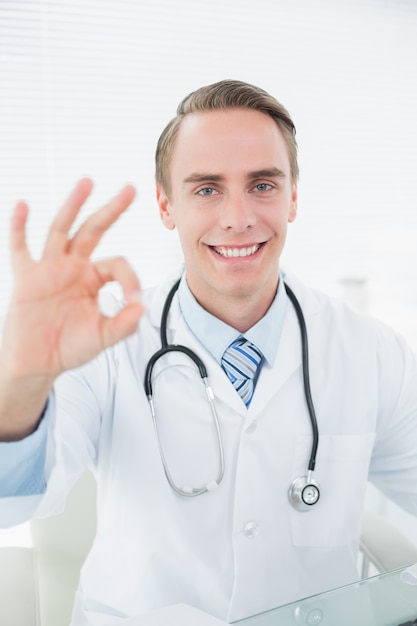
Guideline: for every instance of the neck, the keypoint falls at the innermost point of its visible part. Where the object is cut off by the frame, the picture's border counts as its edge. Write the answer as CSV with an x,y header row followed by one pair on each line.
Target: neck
x,y
240,312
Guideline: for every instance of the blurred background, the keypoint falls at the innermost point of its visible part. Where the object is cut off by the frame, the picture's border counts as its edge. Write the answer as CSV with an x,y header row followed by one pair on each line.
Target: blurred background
x,y
86,87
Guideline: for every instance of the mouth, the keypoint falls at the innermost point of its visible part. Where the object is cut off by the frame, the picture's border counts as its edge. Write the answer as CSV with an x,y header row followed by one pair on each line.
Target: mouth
x,y
235,252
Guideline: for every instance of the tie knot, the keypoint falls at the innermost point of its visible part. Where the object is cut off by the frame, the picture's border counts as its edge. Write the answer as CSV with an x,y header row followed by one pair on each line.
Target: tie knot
x,y
241,361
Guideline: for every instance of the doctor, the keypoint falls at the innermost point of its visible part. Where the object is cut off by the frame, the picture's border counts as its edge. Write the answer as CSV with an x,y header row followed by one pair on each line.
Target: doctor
x,y
193,487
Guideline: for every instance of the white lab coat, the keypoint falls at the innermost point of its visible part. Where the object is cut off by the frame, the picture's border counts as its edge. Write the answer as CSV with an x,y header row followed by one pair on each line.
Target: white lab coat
x,y
242,548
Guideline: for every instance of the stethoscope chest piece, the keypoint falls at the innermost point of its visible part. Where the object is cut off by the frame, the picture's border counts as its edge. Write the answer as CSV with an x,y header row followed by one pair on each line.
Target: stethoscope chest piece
x,y
304,493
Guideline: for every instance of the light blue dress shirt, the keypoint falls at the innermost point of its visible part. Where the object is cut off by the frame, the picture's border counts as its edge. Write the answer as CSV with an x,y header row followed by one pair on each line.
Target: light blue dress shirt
x,y
22,462
216,336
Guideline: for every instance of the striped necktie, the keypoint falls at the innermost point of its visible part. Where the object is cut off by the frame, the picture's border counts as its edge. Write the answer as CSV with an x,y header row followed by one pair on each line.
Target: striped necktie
x,y
240,361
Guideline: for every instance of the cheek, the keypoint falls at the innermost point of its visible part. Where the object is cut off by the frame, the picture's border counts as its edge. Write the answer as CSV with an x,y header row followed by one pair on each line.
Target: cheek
x,y
187,235
193,227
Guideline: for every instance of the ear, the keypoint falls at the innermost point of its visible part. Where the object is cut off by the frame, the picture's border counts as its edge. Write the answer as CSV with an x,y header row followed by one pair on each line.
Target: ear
x,y
294,203
165,212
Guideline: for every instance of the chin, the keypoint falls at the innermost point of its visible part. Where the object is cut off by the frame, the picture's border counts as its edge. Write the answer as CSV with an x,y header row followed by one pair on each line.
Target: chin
x,y
240,288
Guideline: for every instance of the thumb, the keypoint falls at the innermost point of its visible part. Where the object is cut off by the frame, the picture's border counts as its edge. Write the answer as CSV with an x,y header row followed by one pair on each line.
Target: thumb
x,y
122,325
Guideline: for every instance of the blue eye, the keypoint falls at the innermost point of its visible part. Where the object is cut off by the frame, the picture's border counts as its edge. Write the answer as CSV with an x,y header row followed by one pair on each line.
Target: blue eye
x,y
263,187
206,191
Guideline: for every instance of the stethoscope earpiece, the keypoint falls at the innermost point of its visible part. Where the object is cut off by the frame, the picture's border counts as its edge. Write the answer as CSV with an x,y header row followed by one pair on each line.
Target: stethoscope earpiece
x,y
304,492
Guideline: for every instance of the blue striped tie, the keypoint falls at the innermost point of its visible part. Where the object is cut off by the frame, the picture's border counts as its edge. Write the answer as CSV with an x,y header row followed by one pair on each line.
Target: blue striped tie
x,y
240,361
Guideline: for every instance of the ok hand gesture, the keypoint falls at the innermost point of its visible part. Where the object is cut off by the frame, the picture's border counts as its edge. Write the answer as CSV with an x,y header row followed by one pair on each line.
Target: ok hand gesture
x,y
54,322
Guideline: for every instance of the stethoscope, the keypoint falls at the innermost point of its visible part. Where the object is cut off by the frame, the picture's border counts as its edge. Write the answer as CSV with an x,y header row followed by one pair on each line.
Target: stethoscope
x,y
304,491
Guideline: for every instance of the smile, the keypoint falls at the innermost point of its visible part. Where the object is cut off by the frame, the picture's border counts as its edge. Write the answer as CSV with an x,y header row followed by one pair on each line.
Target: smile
x,y
237,252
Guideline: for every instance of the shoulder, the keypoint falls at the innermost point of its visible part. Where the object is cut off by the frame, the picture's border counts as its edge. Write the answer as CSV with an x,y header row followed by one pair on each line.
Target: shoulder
x,y
337,319
317,303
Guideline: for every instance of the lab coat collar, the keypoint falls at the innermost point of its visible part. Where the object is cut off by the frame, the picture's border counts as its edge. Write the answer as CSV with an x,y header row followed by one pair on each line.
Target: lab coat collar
x,y
179,333
272,378
155,298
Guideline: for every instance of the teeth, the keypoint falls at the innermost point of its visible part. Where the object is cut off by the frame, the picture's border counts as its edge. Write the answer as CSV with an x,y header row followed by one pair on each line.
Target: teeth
x,y
237,252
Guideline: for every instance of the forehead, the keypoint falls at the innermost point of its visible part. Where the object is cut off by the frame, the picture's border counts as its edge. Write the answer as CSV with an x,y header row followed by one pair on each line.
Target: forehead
x,y
218,139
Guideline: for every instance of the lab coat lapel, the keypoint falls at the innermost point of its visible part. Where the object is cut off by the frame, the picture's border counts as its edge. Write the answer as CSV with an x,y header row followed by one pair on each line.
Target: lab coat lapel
x,y
217,379
180,334
289,356
287,360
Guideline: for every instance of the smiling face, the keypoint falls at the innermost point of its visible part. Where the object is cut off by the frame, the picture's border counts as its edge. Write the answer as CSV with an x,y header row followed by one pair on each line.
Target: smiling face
x,y
231,200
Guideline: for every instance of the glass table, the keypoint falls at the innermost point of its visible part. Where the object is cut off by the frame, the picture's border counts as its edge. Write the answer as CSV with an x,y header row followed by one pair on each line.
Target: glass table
x,y
383,600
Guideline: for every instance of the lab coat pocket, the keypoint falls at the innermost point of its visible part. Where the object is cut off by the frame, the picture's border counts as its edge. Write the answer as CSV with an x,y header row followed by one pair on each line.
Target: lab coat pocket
x,y
342,467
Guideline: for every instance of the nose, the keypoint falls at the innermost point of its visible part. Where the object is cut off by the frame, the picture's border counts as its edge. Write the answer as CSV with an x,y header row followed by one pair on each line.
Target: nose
x,y
237,213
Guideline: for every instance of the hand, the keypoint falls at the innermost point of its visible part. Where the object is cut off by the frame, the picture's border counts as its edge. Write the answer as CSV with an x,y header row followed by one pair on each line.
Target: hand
x,y
54,322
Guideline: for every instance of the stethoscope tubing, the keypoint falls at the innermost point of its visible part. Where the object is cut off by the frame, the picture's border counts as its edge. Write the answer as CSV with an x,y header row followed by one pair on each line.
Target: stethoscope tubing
x,y
306,376
167,348
187,491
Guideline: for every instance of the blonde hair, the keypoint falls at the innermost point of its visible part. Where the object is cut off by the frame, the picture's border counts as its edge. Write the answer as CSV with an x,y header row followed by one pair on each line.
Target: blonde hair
x,y
223,95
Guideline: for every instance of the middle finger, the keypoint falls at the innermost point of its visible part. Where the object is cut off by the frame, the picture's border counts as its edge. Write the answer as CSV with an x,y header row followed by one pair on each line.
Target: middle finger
x,y
57,239
91,231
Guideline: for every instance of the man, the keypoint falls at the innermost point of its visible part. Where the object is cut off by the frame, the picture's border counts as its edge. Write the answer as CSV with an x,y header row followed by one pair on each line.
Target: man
x,y
191,510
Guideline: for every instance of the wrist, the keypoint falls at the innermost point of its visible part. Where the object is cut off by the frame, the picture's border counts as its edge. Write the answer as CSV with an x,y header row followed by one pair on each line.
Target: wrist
x,y
22,403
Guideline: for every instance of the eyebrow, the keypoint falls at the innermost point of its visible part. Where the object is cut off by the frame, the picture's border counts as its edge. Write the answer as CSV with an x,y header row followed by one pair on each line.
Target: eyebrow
x,y
201,177
273,172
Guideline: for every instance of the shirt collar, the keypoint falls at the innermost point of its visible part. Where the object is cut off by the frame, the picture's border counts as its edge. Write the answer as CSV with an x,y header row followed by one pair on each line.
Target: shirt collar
x,y
216,336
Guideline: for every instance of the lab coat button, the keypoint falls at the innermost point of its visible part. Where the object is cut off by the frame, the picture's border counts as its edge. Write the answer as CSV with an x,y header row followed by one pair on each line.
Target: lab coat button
x,y
251,530
314,617
252,427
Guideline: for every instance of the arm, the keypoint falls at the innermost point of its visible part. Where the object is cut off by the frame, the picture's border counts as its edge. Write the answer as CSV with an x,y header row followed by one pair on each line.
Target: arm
x,y
394,463
54,322
22,464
